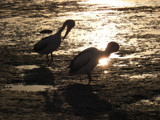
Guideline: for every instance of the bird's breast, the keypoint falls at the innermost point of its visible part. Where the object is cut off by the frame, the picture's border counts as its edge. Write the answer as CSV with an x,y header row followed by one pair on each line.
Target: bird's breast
x,y
53,45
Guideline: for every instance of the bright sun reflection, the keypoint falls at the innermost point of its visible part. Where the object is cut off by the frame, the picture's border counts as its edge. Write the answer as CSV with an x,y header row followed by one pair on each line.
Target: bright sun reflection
x,y
103,61
110,3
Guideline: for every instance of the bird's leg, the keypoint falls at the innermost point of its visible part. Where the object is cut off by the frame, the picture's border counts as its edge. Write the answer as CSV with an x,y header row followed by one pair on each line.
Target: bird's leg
x,y
89,77
51,57
47,58
50,62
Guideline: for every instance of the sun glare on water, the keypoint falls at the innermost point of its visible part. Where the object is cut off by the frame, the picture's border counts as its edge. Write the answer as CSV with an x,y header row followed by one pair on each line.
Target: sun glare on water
x,y
110,3
103,61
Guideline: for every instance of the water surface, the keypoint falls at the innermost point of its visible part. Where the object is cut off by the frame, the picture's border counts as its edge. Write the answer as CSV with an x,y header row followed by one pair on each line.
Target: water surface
x,y
134,24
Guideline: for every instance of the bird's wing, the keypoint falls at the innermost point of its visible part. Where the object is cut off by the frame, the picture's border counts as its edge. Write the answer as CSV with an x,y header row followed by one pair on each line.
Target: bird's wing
x,y
88,50
42,44
81,59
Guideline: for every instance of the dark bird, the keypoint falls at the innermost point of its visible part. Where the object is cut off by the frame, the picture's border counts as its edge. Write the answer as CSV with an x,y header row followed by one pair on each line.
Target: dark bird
x,y
49,44
86,60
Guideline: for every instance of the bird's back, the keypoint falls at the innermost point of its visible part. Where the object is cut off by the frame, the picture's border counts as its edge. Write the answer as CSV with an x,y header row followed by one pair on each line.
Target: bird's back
x,y
85,61
48,44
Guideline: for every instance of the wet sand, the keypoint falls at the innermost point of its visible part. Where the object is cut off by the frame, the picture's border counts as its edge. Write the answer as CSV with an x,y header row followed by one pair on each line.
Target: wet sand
x,y
110,96
127,89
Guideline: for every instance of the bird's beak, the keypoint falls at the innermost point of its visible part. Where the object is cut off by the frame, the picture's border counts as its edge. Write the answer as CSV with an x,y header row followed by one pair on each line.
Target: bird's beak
x,y
68,30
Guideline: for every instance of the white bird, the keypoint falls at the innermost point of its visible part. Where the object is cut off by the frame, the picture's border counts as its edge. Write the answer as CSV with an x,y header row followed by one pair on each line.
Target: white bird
x,y
86,60
49,44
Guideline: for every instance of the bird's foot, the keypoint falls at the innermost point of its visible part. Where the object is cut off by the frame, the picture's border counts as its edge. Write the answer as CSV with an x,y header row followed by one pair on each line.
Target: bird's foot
x,y
47,63
89,82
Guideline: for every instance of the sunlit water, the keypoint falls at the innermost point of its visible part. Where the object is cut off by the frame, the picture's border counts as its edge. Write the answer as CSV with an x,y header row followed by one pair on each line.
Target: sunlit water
x,y
134,24
29,88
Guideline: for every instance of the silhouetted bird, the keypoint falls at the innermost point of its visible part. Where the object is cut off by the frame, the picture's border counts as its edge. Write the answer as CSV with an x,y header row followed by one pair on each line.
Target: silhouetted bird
x,y
86,60
51,43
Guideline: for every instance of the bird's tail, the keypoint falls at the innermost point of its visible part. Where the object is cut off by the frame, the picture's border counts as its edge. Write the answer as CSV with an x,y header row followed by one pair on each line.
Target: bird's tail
x,y
71,73
35,48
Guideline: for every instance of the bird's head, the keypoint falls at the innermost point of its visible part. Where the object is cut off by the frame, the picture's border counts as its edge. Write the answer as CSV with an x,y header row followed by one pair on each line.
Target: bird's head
x,y
70,24
111,47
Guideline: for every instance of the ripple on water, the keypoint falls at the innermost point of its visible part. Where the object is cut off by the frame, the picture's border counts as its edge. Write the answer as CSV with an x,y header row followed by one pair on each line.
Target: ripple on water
x,y
29,88
157,98
27,67
142,76
154,101
4,43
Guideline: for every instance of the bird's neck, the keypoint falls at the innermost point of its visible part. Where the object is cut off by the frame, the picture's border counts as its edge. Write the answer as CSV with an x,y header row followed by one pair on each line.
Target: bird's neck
x,y
105,54
61,29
